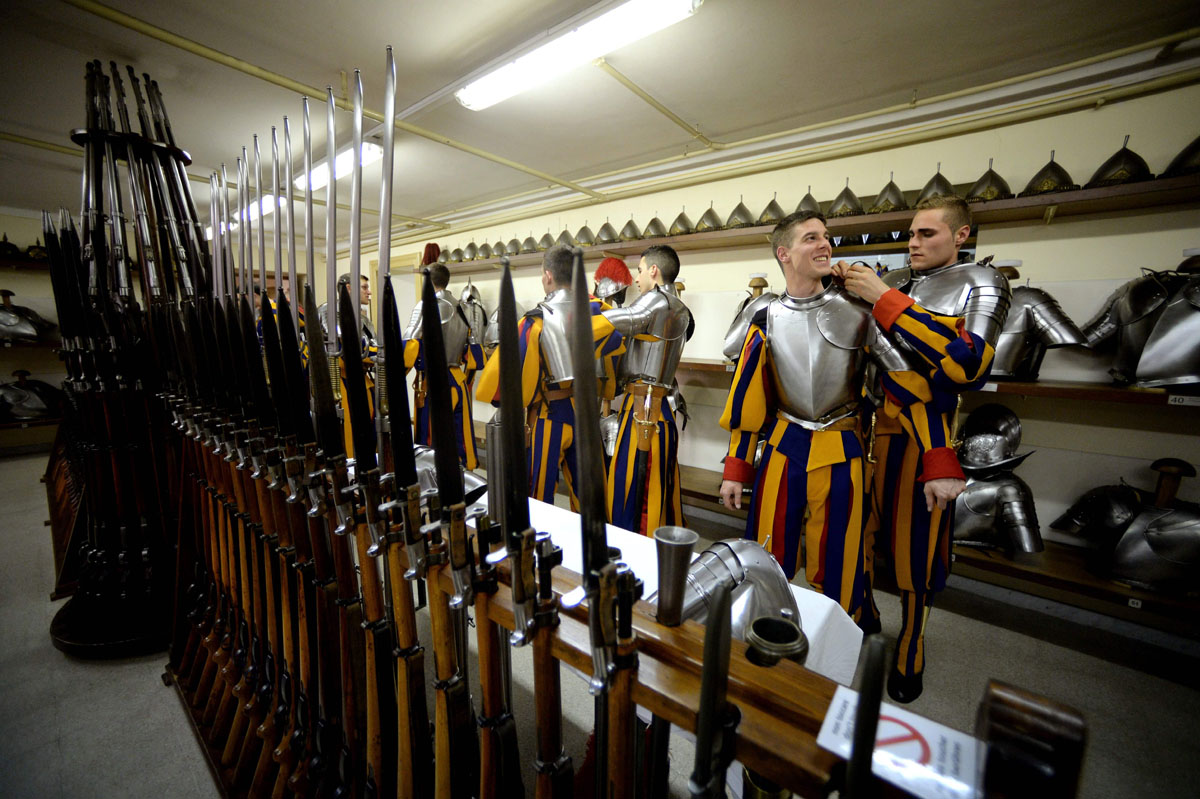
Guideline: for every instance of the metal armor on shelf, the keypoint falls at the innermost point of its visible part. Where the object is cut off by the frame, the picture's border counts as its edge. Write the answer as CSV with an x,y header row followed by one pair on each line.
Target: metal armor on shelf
x,y
1171,355
975,291
491,334
555,341
474,485
1035,323
30,399
19,323
473,308
759,586
1151,541
997,508
1130,313
663,316
735,337
456,330
816,345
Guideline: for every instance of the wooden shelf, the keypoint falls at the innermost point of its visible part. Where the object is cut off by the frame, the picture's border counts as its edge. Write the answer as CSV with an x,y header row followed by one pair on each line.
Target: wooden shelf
x,y
1093,392
21,425
707,365
1147,194
25,264
1060,573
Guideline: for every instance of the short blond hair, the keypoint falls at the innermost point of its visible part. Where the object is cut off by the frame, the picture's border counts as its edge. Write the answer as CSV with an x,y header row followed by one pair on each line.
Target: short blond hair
x,y
955,211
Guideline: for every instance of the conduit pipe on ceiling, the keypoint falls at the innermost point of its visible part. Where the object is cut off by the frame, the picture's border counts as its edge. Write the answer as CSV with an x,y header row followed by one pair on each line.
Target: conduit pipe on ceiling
x,y
224,59
869,144
624,80
76,152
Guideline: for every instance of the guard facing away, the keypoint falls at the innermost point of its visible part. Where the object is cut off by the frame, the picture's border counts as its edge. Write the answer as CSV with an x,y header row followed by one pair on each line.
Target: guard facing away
x,y
643,477
944,316
464,357
798,387
548,376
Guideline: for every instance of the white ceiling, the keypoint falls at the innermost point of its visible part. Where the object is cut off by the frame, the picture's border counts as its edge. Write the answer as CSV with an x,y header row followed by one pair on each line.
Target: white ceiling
x,y
736,69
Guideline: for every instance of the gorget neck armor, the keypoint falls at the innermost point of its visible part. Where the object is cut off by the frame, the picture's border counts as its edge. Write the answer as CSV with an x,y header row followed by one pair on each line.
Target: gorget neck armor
x,y
977,292
663,324
1035,323
555,341
816,348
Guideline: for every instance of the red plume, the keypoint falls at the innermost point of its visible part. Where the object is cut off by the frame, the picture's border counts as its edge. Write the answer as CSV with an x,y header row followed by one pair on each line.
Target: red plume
x,y
614,269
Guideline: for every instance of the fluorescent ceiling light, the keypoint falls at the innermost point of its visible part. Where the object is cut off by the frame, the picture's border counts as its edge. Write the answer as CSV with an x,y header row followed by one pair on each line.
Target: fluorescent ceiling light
x,y
610,31
268,208
343,163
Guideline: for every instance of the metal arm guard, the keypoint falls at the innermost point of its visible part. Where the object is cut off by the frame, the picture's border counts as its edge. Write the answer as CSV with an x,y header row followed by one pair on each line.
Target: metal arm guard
x,y
977,292
1035,323
1131,314
998,512
666,322
759,586
736,335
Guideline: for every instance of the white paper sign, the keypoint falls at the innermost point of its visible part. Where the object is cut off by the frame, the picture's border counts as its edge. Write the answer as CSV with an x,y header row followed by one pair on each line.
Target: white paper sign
x,y
923,757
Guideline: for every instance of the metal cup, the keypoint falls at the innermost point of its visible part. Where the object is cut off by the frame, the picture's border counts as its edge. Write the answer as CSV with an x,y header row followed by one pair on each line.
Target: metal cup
x,y
675,546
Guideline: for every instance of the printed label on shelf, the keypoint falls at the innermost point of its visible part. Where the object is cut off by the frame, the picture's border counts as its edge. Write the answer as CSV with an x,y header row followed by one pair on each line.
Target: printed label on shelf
x,y
1183,399
922,757
989,387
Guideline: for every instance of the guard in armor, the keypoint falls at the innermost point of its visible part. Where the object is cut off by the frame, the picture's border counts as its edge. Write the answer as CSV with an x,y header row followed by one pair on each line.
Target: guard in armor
x,y
944,316
1035,323
996,510
464,357
798,386
643,475
547,376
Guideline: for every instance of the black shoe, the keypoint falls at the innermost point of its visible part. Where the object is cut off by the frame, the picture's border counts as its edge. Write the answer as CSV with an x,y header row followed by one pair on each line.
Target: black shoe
x,y
869,626
904,689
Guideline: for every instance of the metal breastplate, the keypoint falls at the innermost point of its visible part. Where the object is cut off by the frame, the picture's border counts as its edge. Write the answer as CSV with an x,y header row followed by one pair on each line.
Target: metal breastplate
x,y
491,335
1172,352
555,340
1160,550
1035,323
736,335
976,292
476,317
664,324
455,329
997,511
815,362
1130,314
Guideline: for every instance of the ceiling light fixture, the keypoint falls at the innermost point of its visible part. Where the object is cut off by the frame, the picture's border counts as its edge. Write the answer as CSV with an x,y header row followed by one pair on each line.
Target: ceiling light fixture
x,y
342,164
610,31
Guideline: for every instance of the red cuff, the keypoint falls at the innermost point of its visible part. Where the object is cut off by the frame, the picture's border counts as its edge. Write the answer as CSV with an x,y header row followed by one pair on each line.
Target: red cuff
x,y
940,463
737,470
889,307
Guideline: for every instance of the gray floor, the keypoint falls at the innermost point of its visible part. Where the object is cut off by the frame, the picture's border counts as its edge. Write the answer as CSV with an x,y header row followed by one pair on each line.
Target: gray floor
x,y
111,729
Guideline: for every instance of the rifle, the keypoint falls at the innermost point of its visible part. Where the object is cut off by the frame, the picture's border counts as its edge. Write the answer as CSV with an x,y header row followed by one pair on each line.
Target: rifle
x,y
599,586
454,725
415,747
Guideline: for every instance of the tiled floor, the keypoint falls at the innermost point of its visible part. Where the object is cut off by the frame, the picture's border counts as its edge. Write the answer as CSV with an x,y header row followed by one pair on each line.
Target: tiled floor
x,y
73,728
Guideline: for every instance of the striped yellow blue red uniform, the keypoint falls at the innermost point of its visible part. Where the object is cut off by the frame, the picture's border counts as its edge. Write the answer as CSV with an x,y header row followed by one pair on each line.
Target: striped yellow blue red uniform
x,y
663,504
552,422
912,446
809,486
459,376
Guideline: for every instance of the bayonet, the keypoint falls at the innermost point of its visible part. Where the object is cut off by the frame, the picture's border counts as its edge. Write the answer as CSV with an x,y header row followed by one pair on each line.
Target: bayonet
x,y
331,292
262,213
355,209
276,233
293,287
